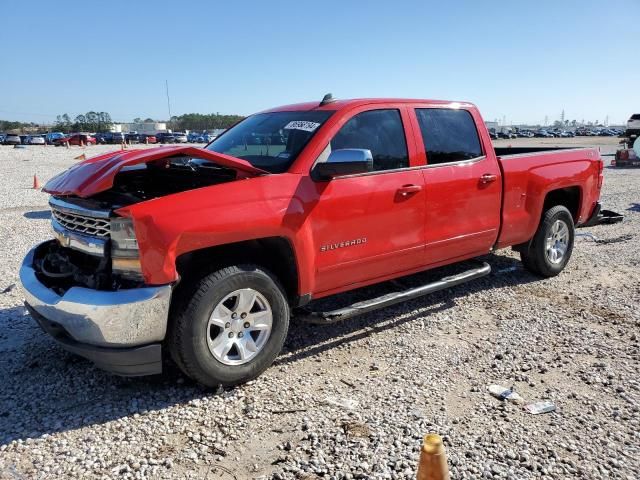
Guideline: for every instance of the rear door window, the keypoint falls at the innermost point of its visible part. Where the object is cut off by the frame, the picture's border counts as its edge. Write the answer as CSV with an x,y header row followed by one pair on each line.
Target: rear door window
x,y
449,135
380,131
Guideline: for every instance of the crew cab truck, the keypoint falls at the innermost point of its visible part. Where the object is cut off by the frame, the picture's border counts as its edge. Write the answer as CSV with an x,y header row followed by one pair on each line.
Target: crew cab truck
x,y
203,253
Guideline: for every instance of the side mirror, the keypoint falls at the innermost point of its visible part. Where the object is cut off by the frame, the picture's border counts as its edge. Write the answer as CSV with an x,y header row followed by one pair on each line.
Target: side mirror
x,y
347,161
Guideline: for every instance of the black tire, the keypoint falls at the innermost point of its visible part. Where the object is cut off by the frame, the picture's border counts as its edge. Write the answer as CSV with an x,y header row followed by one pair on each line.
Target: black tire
x,y
535,257
187,339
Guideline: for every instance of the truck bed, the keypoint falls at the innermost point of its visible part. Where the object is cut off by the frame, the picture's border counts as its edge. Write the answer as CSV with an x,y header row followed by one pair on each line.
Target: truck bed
x,y
529,173
505,151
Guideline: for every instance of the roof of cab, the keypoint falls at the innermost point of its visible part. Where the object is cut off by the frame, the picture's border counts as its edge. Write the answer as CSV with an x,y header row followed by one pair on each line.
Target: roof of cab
x,y
356,102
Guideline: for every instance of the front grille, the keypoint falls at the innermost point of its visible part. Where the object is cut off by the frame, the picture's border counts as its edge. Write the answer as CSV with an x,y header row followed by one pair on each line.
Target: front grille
x,y
96,227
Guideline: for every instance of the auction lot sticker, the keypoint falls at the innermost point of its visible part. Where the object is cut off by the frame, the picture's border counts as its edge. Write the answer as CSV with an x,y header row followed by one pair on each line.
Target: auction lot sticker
x,y
301,125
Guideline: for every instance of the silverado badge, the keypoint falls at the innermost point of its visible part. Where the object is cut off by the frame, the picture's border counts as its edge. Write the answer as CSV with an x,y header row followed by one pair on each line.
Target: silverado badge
x,y
346,243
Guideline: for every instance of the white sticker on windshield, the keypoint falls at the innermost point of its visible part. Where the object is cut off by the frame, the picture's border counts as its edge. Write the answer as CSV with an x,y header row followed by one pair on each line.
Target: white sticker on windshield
x,y
301,125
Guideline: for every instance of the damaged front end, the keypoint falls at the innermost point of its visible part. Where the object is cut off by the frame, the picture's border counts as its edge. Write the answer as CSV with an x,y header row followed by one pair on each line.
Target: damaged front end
x,y
85,287
97,248
93,248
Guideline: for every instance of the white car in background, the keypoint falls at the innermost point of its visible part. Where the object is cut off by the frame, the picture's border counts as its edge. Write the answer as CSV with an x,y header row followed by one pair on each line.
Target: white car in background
x,y
180,137
11,139
36,140
633,125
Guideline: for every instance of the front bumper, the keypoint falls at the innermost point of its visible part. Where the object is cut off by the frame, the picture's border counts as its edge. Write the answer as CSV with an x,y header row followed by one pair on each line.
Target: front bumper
x,y
101,325
128,362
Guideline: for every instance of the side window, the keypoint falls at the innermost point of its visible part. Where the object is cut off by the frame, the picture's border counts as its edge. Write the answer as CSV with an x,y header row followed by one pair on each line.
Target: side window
x,y
448,135
380,131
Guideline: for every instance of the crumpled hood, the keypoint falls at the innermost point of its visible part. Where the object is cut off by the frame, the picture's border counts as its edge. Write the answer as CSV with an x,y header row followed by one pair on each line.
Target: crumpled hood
x,y
96,174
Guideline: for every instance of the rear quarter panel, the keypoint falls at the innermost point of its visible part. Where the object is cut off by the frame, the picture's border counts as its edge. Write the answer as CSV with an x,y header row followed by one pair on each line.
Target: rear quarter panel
x,y
528,178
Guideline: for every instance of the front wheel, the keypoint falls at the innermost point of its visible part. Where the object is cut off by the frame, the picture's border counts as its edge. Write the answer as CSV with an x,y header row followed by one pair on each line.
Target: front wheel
x,y
233,327
550,249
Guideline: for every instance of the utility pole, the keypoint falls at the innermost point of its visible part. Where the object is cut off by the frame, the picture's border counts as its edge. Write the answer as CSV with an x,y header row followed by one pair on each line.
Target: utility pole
x,y
166,84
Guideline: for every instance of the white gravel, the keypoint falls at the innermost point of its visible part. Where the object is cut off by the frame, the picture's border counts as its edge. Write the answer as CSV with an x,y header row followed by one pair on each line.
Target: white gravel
x,y
351,400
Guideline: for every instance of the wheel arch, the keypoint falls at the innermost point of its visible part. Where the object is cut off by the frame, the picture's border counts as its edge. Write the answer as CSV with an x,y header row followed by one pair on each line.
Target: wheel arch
x,y
275,254
569,197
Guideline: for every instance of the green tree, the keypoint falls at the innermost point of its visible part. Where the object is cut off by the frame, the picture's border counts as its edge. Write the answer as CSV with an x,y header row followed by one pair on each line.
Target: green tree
x,y
199,121
89,122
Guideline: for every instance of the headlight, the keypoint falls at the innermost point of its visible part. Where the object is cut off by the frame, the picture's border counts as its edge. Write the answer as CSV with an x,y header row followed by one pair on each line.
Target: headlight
x,y
125,256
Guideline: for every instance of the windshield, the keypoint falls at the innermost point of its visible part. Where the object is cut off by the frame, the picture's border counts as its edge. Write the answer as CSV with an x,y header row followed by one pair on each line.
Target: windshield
x,y
270,141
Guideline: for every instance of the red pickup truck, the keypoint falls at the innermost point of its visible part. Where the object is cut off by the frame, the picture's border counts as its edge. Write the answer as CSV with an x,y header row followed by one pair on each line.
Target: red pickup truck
x,y
204,252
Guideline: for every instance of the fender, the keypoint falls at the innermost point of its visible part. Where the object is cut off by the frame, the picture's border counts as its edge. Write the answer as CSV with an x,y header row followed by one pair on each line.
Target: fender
x,y
249,209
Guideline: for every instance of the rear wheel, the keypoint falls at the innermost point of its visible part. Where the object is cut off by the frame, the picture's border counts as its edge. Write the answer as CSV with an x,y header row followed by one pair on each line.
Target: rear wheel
x,y
550,249
233,327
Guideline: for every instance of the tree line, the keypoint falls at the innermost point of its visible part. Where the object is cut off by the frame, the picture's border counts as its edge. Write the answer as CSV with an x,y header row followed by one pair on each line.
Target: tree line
x,y
89,122
101,122
8,126
199,121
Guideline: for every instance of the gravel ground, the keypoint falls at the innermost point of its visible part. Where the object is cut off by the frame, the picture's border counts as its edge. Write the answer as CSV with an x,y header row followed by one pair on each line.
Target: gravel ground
x,y
351,400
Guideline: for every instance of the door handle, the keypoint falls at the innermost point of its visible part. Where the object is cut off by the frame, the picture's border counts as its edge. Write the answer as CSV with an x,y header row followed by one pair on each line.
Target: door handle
x,y
407,190
488,178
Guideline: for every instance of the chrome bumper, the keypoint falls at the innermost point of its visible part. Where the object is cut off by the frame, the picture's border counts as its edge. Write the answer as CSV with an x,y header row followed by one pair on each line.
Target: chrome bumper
x,y
120,318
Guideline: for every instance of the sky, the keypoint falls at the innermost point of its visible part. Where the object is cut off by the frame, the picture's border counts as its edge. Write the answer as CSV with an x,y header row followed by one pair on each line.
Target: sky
x,y
517,61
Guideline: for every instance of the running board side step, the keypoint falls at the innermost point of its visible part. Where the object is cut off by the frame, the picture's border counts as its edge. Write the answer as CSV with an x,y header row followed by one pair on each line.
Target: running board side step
x,y
334,316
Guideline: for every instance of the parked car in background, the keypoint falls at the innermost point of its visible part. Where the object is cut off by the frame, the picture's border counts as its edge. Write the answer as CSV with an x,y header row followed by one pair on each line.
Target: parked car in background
x,y
52,136
101,137
147,138
117,138
165,137
12,139
76,139
23,139
507,135
633,125
132,138
543,134
204,138
180,137
35,140
192,137
2,137
607,133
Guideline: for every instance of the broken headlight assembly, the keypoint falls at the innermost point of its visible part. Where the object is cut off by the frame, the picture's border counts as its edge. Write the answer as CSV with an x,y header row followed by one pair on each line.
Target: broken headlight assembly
x,y
125,255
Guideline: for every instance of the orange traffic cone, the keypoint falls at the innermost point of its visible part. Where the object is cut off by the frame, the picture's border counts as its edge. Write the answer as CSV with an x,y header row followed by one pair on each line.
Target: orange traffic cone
x,y
80,157
433,459
67,144
36,183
